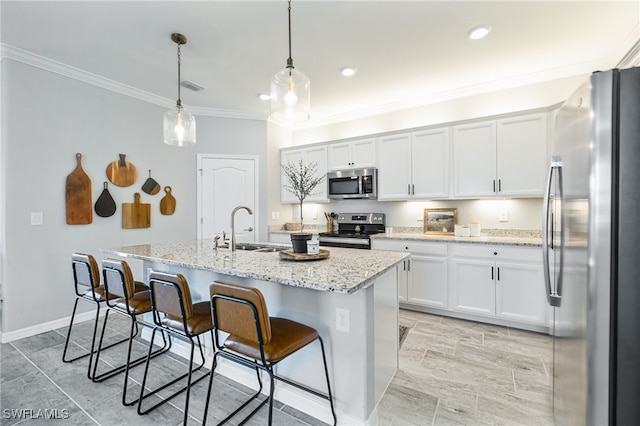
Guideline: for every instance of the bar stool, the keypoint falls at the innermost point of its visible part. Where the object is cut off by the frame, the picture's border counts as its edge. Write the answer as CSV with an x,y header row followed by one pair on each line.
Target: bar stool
x,y
86,278
257,341
176,314
130,298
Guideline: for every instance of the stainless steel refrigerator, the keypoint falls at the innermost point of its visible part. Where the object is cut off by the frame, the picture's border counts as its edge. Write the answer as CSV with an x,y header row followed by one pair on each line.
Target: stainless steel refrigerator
x,y
591,252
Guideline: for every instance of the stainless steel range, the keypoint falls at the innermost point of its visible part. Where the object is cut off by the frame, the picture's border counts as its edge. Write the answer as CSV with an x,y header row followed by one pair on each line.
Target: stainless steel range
x,y
354,230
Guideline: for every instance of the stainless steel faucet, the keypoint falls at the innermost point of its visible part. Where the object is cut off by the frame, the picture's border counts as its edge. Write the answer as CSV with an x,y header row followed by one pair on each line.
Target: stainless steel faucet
x,y
233,225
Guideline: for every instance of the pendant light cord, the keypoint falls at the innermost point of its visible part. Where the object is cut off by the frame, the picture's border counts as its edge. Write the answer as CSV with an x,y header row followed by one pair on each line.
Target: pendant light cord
x,y
179,100
290,60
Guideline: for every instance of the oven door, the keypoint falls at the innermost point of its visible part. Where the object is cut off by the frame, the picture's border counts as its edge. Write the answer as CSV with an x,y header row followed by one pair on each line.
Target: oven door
x,y
344,187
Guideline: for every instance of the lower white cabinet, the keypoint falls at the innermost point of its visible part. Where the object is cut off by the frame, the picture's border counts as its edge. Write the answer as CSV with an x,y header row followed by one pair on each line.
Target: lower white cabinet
x,y
492,283
501,281
423,277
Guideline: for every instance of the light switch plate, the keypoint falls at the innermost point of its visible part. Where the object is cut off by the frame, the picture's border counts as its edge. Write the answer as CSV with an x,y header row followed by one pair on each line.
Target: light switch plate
x,y
37,218
503,216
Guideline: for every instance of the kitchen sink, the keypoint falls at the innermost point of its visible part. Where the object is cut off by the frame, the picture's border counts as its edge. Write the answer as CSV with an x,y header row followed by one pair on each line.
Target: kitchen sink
x,y
259,248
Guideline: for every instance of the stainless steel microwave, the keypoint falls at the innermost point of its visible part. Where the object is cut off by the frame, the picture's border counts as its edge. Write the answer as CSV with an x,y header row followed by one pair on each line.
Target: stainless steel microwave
x,y
353,184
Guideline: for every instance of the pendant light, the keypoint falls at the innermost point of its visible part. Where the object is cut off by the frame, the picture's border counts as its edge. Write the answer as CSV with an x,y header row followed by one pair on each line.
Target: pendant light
x,y
178,124
290,92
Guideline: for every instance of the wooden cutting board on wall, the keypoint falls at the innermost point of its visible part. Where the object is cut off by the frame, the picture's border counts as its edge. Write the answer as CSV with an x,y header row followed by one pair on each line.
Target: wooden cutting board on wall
x,y
122,172
78,196
136,214
168,202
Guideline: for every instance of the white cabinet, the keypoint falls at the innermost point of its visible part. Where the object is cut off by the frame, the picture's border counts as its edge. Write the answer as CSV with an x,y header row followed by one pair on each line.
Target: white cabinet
x,y
500,158
505,282
414,165
423,277
318,155
522,155
352,155
474,160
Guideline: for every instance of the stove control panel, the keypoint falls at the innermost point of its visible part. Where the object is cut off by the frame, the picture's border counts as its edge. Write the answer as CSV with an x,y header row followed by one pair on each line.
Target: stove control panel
x,y
361,218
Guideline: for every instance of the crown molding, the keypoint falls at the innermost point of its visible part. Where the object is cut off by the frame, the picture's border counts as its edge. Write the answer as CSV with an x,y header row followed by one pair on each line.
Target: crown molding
x,y
29,58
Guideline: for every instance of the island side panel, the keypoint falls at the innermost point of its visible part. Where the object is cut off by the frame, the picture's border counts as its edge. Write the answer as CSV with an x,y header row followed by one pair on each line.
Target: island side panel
x,y
385,340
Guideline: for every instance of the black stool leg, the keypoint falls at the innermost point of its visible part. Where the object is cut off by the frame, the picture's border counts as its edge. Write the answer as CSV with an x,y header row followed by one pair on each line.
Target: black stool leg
x,y
66,344
326,373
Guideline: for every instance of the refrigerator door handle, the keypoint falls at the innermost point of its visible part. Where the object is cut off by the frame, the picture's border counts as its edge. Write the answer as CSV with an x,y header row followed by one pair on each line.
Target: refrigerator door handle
x,y
553,297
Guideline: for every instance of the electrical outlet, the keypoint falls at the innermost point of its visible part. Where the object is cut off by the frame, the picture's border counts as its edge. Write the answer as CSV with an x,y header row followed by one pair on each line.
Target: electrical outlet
x,y
503,216
420,216
273,215
342,320
315,215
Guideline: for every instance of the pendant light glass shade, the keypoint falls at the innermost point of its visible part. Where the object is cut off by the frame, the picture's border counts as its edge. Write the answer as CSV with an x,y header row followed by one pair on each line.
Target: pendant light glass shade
x,y
178,124
290,96
290,92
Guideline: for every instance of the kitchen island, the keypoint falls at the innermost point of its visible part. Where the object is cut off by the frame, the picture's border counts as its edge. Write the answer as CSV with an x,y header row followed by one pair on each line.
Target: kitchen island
x,y
360,285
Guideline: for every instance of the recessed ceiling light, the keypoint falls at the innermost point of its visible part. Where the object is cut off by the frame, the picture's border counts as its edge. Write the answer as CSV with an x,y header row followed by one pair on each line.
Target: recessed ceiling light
x,y
264,96
348,71
479,32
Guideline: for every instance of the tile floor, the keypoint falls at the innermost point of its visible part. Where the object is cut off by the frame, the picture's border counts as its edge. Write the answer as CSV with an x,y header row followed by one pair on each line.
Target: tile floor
x,y
455,372
452,372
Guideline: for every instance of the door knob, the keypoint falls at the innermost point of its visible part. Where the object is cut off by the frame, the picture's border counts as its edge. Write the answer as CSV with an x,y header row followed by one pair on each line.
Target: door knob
x,y
248,229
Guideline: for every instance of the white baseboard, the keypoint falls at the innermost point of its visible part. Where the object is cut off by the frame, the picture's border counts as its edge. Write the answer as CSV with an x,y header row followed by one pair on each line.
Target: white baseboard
x,y
10,336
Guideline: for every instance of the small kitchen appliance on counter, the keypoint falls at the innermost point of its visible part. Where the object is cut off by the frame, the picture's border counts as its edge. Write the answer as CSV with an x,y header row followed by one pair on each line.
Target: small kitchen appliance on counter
x,y
354,230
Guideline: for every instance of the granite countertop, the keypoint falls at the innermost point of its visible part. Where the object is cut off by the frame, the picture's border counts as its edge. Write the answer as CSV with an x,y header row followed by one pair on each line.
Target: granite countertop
x,y
344,271
514,237
484,238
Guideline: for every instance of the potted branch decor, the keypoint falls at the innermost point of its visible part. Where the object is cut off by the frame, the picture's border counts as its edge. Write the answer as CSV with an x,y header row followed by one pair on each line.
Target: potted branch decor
x,y
301,180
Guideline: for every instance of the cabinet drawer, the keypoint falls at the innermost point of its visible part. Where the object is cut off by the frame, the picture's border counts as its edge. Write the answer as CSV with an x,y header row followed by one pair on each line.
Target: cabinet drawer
x,y
414,247
497,252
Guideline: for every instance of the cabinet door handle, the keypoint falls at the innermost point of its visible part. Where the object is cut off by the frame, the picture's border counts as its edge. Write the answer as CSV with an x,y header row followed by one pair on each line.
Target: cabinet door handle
x,y
409,265
494,185
492,273
413,189
408,189
498,273
499,185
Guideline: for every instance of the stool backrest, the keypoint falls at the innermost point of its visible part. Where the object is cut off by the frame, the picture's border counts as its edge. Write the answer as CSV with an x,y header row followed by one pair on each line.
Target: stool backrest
x,y
86,272
118,278
234,317
170,294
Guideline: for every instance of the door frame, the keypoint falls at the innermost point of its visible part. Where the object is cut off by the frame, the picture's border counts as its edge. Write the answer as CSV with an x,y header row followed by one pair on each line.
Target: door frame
x,y
256,206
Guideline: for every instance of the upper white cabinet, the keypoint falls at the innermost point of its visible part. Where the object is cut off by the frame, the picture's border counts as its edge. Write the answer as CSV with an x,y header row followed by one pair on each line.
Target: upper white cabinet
x,y
352,155
522,155
414,165
500,158
316,154
474,160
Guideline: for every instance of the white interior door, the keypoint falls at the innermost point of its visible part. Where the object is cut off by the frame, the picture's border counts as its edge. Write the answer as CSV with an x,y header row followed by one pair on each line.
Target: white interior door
x,y
226,182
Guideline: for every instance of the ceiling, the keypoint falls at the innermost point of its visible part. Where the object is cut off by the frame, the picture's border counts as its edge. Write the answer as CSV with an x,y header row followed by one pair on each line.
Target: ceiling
x,y
406,52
